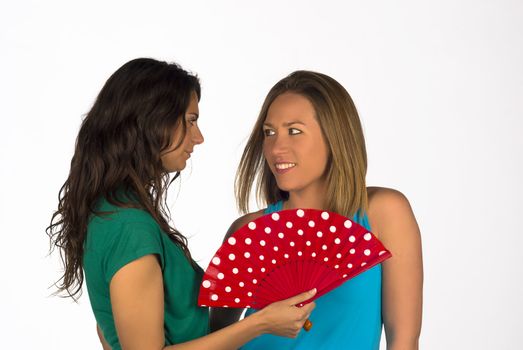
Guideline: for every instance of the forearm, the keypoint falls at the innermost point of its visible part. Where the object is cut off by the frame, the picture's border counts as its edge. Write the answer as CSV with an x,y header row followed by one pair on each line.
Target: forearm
x,y
228,338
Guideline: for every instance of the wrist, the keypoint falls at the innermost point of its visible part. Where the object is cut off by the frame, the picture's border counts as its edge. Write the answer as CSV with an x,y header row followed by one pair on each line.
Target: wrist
x,y
258,323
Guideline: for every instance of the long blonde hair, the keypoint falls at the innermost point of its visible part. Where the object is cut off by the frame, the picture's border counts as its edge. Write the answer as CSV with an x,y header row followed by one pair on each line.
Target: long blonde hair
x,y
341,127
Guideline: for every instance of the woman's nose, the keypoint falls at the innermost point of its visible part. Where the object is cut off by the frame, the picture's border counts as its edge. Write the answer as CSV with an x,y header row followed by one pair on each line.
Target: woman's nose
x,y
197,137
279,144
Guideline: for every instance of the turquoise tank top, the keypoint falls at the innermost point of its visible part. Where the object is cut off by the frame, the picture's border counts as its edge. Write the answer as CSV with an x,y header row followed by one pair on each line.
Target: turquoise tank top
x,y
348,317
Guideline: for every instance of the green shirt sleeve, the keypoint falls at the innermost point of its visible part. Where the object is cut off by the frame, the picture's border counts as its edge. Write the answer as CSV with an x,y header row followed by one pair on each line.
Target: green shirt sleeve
x,y
132,242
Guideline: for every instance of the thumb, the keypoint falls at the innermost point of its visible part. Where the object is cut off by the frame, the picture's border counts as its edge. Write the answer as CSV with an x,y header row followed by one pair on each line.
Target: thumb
x,y
297,299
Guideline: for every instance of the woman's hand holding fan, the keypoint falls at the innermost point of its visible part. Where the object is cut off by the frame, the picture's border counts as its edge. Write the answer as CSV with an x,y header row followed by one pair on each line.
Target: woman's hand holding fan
x,y
283,318
282,254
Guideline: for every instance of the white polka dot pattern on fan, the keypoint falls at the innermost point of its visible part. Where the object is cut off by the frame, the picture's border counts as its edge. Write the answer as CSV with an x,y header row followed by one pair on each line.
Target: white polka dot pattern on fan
x,y
254,264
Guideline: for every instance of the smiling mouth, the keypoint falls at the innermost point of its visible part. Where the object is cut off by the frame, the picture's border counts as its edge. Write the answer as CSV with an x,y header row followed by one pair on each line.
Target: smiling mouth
x,y
284,166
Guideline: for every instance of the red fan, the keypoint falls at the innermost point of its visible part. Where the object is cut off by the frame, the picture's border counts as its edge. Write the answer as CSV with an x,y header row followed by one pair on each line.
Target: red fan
x,y
286,253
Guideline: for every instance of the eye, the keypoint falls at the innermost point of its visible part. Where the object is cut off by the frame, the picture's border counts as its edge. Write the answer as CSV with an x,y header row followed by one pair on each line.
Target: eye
x,y
294,131
268,132
192,121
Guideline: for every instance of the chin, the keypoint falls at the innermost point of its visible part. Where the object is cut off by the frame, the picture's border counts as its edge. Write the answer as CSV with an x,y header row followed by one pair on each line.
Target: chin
x,y
175,169
286,186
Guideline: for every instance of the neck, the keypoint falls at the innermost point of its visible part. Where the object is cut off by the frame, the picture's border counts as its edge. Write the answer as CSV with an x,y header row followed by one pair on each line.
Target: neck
x,y
311,197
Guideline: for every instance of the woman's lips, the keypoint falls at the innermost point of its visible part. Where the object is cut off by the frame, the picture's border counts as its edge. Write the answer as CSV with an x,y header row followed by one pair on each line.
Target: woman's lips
x,y
284,167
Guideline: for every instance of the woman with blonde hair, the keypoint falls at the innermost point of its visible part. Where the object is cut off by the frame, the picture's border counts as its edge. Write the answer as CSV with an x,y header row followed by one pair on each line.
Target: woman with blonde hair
x,y
307,150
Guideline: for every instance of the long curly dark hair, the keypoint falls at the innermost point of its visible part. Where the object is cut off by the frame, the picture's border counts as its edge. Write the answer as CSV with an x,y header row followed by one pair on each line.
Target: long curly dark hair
x,y
118,150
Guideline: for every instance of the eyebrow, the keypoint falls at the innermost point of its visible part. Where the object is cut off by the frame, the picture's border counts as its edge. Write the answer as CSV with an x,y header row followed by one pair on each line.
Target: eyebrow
x,y
193,114
285,124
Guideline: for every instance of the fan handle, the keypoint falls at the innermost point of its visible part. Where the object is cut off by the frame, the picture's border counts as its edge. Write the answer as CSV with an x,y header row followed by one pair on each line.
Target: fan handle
x,y
307,325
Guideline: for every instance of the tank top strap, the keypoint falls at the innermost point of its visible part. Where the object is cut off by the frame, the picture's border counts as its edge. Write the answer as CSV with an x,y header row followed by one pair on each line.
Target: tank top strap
x,y
271,208
361,218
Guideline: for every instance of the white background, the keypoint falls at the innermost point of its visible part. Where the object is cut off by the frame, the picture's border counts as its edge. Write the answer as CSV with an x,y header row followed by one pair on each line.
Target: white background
x,y
438,84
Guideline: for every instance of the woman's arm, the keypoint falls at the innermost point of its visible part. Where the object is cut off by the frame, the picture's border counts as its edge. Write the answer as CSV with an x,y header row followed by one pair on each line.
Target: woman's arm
x,y
393,220
281,318
138,308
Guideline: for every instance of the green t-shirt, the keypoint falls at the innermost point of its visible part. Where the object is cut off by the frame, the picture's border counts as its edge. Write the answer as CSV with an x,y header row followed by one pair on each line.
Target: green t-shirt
x,y
127,234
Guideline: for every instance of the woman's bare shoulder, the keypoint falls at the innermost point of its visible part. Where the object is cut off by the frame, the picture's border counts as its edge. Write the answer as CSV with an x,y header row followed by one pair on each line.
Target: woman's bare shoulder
x,y
242,221
380,197
387,206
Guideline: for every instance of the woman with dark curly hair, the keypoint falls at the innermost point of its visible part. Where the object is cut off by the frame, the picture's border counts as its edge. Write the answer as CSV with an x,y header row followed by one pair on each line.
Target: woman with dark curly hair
x,y
112,224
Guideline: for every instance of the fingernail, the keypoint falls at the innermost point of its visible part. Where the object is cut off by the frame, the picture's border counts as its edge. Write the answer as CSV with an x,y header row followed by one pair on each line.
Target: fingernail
x,y
313,291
